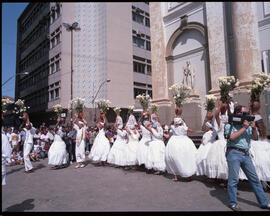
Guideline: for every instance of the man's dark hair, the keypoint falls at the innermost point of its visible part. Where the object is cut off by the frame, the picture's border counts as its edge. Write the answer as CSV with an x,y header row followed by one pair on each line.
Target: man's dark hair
x,y
238,109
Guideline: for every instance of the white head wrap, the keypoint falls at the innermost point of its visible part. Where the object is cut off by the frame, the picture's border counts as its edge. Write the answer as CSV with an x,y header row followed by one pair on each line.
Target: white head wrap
x,y
177,121
80,122
208,124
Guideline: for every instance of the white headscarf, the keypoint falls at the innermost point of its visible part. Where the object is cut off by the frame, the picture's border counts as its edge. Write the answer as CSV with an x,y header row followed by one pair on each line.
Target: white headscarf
x,y
177,121
80,122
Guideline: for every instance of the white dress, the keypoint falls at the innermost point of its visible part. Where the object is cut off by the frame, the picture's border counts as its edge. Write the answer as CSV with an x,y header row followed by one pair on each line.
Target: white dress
x,y
143,146
117,154
207,140
156,153
260,150
216,163
132,147
101,147
180,153
57,154
80,143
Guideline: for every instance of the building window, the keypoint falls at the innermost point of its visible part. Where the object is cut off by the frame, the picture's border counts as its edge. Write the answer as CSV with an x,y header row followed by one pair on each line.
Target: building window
x,y
148,45
149,70
52,94
57,65
57,93
52,69
138,42
147,22
266,8
138,67
138,91
137,17
57,37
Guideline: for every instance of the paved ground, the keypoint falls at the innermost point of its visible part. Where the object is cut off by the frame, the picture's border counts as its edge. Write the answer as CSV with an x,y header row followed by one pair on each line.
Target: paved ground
x,y
98,188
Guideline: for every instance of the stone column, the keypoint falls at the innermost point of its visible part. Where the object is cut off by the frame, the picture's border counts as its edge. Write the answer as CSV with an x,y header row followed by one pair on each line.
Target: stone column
x,y
246,40
159,65
216,42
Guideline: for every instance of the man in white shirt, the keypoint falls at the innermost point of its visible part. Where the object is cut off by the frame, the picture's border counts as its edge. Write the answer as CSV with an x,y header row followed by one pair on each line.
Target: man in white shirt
x,y
80,142
28,145
44,141
15,139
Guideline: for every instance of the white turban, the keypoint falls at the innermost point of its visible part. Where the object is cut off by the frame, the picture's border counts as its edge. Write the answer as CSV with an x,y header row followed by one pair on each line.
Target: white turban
x,y
208,124
177,121
80,122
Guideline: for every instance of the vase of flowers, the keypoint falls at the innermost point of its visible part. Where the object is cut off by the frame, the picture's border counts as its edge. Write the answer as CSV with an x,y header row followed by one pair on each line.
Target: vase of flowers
x,y
78,104
210,105
144,101
103,105
180,93
260,82
227,84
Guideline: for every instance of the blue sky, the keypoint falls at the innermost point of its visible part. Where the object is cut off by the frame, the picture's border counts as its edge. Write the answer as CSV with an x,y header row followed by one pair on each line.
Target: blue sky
x,y
10,14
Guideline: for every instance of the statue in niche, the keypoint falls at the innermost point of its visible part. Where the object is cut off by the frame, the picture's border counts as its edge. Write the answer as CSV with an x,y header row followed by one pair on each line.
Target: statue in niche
x,y
189,75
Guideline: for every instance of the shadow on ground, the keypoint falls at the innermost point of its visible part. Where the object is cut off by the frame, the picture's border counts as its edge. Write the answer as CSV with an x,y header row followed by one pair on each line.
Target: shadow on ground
x,y
21,207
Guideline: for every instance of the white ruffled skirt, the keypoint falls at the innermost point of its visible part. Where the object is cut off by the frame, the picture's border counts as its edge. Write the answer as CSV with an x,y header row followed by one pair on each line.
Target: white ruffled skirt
x,y
117,154
156,156
142,151
100,149
57,154
180,156
131,152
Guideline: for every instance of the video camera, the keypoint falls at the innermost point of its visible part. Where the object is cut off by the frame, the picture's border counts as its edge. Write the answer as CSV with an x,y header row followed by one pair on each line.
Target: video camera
x,y
239,119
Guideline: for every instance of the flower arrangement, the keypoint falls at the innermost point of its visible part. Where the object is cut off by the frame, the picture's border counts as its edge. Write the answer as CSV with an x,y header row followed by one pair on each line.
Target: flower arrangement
x,y
58,109
154,107
144,100
130,109
261,81
227,84
180,93
117,110
78,104
103,105
210,102
20,107
5,104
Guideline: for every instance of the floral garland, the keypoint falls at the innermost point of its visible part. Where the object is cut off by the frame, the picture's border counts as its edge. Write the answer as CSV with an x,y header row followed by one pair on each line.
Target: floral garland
x,y
258,85
103,105
144,100
227,84
210,102
180,93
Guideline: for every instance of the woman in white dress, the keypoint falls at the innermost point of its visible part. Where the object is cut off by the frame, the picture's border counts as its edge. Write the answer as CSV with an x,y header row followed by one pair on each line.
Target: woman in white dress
x,y
132,146
131,120
180,152
57,155
156,153
117,154
208,139
216,164
260,149
143,145
101,146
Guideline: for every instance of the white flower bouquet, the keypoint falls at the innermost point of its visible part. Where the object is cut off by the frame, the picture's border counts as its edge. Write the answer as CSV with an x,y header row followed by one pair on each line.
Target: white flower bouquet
x,y
58,109
117,110
103,105
260,82
6,104
154,107
227,84
20,107
144,100
130,109
180,93
210,102
78,104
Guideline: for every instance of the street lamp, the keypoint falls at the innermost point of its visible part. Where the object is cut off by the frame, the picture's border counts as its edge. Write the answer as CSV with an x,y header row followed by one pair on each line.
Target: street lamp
x,y
22,73
73,26
96,96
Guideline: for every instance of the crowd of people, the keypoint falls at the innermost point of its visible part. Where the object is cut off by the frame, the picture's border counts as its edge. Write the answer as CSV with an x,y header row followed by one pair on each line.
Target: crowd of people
x,y
143,143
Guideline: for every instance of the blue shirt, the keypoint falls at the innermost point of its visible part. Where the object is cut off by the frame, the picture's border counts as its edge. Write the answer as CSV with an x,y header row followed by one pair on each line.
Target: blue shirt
x,y
243,141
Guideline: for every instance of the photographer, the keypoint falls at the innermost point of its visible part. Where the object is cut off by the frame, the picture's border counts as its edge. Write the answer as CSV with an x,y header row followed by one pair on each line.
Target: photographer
x,y
237,154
